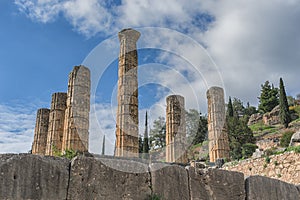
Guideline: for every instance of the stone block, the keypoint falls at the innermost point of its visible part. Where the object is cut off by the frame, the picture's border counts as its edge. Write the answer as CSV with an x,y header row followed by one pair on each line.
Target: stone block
x,y
107,178
216,184
169,181
264,188
27,176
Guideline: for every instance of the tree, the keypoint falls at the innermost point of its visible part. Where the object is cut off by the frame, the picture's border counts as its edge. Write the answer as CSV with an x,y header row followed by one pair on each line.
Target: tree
x,y
268,98
284,113
291,100
146,140
230,108
286,138
196,127
103,146
298,99
238,107
239,135
140,145
158,133
250,110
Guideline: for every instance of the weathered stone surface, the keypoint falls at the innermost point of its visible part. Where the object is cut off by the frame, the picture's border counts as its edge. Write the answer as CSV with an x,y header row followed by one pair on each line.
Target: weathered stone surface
x,y
127,131
28,176
216,184
102,178
272,118
285,167
56,123
175,130
76,124
255,118
264,188
257,154
217,131
169,181
41,131
295,139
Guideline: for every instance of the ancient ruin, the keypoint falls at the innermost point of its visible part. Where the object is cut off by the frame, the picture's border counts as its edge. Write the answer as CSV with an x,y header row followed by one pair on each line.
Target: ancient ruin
x,y
76,130
65,126
175,130
41,131
127,131
56,123
217,133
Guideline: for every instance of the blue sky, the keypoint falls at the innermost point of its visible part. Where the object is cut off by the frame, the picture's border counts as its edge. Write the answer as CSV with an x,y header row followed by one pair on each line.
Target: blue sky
x,y
246,43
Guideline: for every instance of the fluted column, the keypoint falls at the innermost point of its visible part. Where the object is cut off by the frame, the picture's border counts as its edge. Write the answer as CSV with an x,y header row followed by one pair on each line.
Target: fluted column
x,y
175,130
56,123
76,127
217,131
41,131
127,144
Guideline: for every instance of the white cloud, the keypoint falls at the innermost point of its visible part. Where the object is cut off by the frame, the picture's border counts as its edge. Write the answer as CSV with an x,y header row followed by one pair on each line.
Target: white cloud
x,y
87,17
251,42
255,41
16,128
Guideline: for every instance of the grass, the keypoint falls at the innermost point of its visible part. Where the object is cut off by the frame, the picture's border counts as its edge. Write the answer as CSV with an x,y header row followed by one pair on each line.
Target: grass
x,y
260,126
296,149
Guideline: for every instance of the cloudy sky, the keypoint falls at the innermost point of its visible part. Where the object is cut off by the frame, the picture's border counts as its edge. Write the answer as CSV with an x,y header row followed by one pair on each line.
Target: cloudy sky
x,y
185,48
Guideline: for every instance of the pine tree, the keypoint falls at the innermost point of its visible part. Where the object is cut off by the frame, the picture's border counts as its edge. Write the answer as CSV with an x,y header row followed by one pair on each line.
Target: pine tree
x,y
230,108
285,117
268,98
158,133
146,140
103,146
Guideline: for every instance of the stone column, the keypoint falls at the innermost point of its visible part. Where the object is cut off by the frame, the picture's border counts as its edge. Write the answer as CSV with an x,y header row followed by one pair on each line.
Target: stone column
x,y
41,131
217,131
76,131
175,130
56,123
127,144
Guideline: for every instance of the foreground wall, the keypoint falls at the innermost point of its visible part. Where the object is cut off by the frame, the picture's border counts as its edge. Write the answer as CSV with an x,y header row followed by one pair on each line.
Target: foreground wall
x,y
285,167
28,176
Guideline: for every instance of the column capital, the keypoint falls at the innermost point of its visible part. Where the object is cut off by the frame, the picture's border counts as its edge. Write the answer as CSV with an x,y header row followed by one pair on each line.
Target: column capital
x,y
130,34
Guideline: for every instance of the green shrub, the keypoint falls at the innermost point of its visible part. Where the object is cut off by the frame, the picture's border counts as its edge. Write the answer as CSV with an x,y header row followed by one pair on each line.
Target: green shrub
x,y
70,153
279,175
286,138
248,149
269,152
268,159
294,148
297,109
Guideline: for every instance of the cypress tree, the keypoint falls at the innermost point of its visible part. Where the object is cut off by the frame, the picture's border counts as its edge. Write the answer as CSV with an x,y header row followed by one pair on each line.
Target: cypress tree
x,y
284,113
146,139
230,108
103,146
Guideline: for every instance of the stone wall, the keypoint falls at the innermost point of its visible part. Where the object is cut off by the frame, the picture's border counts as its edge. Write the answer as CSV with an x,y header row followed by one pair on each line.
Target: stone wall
x,y
285,167
27,176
